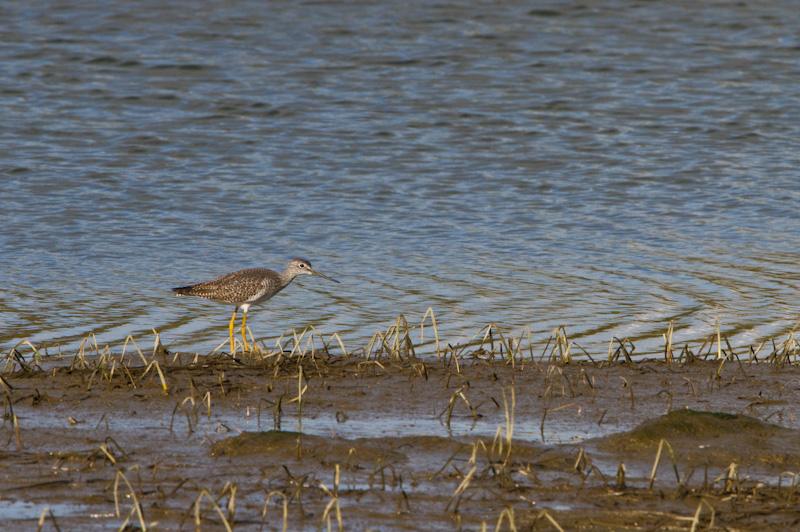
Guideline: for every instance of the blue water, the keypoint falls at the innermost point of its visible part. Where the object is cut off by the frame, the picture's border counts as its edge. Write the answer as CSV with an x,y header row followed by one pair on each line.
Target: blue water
x,y
607,168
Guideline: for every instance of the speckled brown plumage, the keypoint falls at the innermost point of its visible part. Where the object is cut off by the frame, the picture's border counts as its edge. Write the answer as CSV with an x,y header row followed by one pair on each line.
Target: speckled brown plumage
x,y
245,288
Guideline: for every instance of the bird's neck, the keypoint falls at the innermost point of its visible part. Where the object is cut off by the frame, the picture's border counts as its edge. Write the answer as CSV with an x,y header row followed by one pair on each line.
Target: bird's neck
x,y
287,276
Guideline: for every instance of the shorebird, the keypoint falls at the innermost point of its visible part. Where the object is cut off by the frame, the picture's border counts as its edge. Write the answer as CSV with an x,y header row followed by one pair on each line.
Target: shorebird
x,y
246,288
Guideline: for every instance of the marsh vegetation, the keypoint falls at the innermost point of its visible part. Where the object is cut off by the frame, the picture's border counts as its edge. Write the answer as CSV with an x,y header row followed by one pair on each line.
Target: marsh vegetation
x,y
307,434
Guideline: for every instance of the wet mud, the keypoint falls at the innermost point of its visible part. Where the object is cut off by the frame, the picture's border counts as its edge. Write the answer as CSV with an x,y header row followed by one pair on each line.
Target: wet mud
x,y
180,442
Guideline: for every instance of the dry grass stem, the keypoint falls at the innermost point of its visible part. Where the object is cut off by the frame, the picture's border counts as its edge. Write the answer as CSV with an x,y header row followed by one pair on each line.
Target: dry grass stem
x,y
197,519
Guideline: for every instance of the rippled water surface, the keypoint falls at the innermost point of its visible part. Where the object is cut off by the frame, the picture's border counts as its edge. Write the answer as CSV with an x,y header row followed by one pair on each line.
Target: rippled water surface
x,y
606,166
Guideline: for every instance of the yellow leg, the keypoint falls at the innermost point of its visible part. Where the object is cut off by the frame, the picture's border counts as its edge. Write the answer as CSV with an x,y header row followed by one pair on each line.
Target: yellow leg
x,y
230,328
244,331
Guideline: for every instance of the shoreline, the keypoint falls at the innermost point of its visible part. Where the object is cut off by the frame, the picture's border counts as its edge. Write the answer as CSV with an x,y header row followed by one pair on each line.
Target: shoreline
x,y
450,443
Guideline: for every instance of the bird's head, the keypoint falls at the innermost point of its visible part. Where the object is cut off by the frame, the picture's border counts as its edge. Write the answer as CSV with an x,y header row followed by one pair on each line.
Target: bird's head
x,y
303,267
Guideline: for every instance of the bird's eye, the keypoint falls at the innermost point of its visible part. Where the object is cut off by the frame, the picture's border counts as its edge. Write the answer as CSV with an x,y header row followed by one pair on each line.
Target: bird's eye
x,y
302,265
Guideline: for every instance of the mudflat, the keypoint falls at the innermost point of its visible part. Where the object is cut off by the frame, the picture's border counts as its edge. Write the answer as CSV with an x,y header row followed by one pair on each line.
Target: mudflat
x,y
173,441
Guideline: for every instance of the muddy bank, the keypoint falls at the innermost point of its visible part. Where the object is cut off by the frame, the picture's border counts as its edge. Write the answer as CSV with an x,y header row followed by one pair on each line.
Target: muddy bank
x,y
396,444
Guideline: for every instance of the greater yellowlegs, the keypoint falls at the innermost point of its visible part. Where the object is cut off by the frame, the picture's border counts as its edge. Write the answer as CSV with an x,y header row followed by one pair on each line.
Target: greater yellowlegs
x,y
248,287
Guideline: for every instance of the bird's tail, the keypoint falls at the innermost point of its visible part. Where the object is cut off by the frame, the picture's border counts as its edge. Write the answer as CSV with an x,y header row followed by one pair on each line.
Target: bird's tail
x,y
183,290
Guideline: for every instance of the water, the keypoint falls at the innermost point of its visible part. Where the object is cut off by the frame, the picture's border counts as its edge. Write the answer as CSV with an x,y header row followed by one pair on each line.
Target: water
x,y
606,166
14,510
